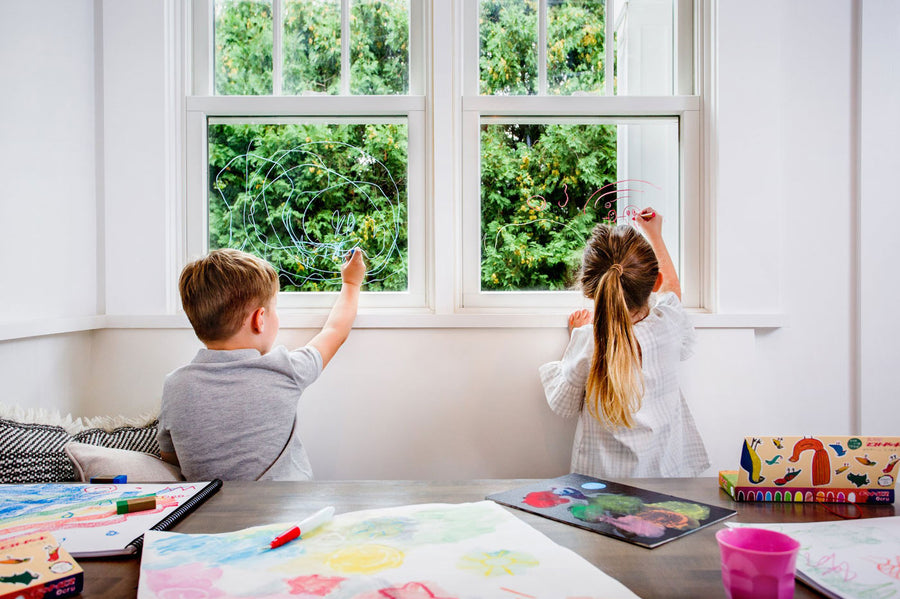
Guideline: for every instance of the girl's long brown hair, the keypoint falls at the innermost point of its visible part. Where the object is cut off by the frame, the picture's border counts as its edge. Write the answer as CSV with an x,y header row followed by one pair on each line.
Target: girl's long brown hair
x,y
618,271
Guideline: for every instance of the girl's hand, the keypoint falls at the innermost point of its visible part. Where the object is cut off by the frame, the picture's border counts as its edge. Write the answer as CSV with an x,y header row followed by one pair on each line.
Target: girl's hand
x,y
650,222
353,271
579,318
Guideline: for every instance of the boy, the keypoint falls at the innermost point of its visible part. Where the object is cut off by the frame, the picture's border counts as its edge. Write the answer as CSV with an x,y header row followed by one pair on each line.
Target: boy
x,y
231,413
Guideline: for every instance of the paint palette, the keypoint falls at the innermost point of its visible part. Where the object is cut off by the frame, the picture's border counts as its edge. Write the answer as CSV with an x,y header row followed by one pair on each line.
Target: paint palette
x,y
638,516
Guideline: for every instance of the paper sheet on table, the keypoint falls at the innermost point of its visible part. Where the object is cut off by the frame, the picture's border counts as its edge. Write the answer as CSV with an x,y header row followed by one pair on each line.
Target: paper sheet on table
x,y
847,558
429,550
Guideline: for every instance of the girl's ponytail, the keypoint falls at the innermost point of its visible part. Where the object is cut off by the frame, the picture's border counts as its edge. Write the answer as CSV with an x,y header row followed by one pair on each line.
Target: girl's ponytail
x,y
619,271
615,384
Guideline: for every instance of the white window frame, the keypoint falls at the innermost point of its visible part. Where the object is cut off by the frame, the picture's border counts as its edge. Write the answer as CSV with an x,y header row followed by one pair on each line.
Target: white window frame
x,y
201,104
685,107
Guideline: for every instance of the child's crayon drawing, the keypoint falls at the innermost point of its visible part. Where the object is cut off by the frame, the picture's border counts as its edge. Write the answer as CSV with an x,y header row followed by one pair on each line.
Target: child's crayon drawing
x,y
635,515
83,517
848,558
410,552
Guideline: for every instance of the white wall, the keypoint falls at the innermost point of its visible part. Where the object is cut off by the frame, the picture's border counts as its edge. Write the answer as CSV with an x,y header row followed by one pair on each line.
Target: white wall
x,y
48,203
458,403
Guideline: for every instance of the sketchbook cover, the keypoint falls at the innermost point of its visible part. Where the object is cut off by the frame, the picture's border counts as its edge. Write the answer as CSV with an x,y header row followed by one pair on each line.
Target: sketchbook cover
x,y
830,469
36,567
83,517
639,516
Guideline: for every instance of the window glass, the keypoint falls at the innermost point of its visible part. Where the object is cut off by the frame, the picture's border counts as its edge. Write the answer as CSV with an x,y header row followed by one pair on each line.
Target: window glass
x,y
243,47
302,195
379,47
312,47
576,48
508,47
546,184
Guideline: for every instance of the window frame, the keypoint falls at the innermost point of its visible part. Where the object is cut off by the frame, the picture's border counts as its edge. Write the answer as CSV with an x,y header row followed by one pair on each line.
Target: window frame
x,y
202,104
684,106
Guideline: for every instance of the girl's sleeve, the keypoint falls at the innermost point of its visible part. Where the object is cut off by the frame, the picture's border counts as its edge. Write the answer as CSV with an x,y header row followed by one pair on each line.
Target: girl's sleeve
x,y
564,380
673,311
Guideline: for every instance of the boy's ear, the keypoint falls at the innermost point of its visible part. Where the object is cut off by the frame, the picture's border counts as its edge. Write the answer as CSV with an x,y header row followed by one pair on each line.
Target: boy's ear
x,y
658,283
257,320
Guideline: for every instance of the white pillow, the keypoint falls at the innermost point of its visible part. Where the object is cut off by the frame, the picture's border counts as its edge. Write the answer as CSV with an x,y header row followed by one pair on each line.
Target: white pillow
x,y
93,460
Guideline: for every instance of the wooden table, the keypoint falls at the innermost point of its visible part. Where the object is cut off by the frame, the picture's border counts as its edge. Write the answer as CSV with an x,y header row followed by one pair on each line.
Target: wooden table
x,y
686,567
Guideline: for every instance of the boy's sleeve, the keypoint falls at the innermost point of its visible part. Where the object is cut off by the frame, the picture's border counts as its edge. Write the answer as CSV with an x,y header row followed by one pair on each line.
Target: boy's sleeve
x,y
306,362
163,436
673,310
564,380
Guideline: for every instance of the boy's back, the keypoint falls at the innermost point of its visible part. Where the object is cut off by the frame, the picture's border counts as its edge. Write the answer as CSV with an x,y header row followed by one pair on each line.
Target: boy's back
x,y
231,414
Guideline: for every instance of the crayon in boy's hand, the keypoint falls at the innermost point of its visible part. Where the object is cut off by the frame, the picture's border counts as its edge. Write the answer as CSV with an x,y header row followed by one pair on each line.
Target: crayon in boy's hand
x,y
135,504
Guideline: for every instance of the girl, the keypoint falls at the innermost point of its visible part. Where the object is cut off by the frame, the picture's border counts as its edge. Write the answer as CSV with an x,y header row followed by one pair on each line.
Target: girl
x,y
620,370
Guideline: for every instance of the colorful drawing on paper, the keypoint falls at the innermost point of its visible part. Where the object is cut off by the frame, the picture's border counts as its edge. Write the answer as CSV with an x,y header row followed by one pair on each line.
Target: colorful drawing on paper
x,y
411,552
635,515
83,517
848,558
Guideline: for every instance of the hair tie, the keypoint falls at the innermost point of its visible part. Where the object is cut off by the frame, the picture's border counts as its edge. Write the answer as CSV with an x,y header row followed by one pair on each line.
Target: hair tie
x,y
617,267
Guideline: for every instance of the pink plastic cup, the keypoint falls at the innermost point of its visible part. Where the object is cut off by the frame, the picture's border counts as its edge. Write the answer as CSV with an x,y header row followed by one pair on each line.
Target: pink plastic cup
x,y
757,563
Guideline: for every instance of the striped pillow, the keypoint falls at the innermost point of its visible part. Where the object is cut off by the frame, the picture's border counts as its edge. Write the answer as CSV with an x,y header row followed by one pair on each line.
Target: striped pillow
x,y
32,452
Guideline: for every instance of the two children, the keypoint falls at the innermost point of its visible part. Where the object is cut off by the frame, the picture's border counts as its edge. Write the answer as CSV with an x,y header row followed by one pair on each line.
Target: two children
x,y
232,412
619,371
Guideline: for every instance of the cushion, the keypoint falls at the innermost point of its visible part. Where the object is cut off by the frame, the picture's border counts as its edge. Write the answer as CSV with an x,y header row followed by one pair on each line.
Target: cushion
x,y
32,442
94,460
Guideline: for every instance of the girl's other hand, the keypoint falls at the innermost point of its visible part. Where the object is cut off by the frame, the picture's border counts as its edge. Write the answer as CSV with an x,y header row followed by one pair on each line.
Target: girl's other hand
x,y
650,222
579,318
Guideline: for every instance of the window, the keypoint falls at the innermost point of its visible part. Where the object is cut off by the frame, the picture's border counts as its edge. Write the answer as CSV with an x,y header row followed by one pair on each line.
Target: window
x,y
305,130
316,126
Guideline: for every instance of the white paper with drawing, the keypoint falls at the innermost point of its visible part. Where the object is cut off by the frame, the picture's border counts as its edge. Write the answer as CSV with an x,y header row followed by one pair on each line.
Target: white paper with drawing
x,y
849,558
431,550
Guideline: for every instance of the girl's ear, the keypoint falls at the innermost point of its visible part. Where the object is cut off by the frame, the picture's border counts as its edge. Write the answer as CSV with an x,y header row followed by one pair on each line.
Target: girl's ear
x,y
658,283
257,320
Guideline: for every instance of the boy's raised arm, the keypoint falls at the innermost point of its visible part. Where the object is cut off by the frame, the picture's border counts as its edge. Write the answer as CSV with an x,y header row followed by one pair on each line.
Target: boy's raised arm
x,y
343,313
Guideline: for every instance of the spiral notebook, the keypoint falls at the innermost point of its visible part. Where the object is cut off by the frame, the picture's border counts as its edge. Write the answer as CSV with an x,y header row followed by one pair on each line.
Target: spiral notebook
x,y
83,517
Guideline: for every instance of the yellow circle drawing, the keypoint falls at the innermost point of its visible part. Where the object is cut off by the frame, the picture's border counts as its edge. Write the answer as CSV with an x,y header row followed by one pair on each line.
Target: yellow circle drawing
x,y
365,559
497,563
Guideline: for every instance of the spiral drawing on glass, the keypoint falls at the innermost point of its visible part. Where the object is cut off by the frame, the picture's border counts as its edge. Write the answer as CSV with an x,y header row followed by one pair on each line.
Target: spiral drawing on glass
x,y
295,208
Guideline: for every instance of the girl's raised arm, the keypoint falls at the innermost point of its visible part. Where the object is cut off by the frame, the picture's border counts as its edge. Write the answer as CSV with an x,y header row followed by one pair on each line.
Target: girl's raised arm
x,y
650,222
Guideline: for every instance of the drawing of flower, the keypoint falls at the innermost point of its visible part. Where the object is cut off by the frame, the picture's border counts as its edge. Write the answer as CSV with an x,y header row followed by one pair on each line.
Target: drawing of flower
x,y
497,563
314,585
190,581
365,559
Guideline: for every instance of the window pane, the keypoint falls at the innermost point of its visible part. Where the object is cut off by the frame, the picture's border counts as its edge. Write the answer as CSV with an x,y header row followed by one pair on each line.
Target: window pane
x,y
508,48
575,53
379,47
312,46
302,195
243,33
544,185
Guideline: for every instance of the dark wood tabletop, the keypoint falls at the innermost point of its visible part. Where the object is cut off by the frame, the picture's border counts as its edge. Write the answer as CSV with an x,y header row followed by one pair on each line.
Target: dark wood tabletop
x,y
685,567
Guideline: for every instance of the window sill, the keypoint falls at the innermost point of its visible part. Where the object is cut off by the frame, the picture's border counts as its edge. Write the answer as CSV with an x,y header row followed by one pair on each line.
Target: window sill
x,y
381,319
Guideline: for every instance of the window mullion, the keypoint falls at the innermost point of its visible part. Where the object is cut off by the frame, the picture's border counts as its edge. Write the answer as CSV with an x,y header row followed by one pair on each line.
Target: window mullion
x,y
345,47
610,47
542,48
277,46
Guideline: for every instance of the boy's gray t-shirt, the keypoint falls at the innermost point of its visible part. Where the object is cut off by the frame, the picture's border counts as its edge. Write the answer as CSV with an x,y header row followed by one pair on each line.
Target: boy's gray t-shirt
x,y
229,414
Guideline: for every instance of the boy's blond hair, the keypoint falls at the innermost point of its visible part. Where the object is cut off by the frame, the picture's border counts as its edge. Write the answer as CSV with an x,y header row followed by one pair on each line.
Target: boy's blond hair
x,y
219,290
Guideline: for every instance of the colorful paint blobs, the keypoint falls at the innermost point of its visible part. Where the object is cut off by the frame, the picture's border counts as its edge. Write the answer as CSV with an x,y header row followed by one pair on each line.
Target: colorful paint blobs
x,y
189,580
314,585
544,499
386,528
365,559
498,563
636,525
691,510
593,486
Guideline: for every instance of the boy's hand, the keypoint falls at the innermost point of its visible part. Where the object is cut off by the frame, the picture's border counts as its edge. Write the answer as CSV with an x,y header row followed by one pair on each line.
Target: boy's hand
x,y
650,222
353,271
579,318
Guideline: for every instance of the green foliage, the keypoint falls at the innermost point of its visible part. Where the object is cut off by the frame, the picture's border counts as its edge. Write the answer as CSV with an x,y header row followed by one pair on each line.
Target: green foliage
x,y
283,191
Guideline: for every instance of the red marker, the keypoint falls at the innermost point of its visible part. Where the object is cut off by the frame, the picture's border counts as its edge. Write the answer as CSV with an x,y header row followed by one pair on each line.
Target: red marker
x,y
308,525
647,214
